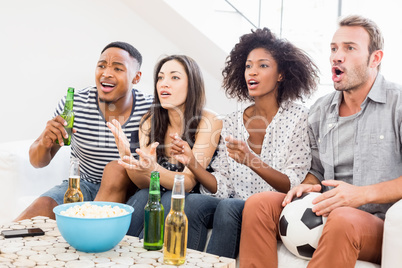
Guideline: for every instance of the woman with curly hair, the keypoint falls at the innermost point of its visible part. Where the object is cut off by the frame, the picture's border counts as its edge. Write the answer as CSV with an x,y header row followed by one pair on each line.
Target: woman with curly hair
x,y
264,147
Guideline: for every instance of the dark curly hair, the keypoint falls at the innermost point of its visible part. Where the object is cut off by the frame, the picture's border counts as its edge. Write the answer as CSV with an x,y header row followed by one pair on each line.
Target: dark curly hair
x,y
300,74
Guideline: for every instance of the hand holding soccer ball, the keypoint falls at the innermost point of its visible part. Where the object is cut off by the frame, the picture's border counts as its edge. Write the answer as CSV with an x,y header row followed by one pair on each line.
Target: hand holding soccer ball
x,y
299,227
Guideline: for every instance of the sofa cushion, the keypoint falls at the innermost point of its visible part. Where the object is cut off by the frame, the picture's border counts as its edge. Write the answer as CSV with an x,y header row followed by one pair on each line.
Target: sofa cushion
x,y
20,182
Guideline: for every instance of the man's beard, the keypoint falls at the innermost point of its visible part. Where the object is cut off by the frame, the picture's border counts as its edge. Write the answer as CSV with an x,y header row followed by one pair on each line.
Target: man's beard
x,y
356,77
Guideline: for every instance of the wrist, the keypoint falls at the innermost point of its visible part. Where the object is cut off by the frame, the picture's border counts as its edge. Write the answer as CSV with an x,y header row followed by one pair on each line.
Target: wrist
x,y
253,161
192,163
157,167
368,194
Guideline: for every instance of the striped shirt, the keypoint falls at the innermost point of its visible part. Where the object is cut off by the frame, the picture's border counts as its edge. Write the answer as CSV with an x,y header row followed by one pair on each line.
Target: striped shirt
x,y
93,143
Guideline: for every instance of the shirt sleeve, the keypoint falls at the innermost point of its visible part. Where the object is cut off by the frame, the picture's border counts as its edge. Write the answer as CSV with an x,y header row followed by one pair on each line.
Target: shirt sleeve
x,y
298,161
60,107
316,167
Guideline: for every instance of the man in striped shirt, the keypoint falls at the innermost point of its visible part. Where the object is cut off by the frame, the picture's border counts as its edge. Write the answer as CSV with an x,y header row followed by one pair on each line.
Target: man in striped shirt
x,y
117,70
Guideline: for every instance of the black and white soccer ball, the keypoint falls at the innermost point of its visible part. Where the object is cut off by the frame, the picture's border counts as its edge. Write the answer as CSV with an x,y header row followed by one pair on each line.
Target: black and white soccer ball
x,y
299,227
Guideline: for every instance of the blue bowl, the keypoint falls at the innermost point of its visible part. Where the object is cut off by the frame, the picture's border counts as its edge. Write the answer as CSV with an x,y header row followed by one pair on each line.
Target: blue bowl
x,y
93,234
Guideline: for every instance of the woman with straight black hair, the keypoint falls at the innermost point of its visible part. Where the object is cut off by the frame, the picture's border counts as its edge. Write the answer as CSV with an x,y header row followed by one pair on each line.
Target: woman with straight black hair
x,y
177,110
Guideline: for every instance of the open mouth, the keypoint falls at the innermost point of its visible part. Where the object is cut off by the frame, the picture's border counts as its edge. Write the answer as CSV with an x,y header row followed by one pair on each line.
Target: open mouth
x,y
107,86
165,93
336,74
252,83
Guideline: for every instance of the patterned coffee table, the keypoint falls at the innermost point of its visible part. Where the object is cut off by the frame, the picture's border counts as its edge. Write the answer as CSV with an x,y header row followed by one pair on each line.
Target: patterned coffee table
x,y
52,250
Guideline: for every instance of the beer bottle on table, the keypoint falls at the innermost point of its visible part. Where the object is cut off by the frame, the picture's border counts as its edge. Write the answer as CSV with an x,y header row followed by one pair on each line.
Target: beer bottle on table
x,y
175,245
68,115
153,216
73,193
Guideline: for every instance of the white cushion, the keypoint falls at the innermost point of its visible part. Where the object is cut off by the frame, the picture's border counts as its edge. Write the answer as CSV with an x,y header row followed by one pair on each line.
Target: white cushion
x,y
392,241
20,182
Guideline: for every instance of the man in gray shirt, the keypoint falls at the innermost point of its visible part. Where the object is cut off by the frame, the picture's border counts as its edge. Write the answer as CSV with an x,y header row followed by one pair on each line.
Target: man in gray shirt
x,y
356,137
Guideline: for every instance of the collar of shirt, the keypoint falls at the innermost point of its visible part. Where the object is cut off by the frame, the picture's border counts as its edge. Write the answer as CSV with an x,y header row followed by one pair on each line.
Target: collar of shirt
x,y
377,93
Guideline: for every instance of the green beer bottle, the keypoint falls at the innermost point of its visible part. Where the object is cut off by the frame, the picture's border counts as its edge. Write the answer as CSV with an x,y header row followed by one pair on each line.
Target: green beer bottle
x,y
153,216
68,115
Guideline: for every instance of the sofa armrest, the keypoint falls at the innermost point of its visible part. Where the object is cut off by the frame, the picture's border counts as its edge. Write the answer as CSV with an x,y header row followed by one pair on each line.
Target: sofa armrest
x,y
20,182
392,241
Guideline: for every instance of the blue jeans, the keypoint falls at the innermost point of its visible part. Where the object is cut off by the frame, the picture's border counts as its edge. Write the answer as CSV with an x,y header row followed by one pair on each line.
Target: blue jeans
x,y
223,216
88,189
138,202
200,210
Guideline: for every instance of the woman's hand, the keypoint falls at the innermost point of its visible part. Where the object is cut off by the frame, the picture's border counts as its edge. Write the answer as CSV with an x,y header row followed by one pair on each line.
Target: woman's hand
x,y
147,162
122,143
238,150
181,151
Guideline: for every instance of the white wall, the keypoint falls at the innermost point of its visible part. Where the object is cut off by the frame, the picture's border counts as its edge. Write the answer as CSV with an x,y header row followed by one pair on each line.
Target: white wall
x,y
49,45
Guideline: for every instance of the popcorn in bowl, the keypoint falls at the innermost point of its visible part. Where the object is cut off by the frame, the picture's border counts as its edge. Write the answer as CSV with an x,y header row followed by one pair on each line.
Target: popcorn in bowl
x,y
93,226
88,210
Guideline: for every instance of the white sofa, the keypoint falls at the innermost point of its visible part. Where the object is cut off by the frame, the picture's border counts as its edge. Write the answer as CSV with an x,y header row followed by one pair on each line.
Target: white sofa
x,y
20,184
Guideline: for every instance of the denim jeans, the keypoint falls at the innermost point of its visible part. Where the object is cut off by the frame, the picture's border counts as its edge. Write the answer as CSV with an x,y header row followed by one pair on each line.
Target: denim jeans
x,y
225,238
88,189
138,202
200,210
222,215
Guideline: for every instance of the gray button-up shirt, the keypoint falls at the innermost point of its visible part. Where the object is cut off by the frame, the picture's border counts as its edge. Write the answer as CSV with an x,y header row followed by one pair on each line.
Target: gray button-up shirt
x,y
377,138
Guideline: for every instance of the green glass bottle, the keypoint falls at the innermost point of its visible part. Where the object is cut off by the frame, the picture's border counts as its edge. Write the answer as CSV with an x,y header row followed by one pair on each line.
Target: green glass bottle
x,y
153,216
68,115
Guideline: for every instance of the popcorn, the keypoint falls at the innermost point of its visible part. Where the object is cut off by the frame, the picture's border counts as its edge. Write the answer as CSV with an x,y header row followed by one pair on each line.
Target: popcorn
x,y
87,210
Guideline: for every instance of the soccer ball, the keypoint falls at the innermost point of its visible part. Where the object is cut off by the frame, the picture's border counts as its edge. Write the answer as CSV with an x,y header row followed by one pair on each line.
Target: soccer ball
x,y
299,227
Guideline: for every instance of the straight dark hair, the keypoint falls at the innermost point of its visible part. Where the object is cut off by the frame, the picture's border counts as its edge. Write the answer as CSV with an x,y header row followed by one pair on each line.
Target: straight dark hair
x,y
193,106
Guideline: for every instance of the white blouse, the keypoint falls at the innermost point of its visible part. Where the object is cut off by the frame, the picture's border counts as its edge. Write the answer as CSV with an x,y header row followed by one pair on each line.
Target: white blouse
x,y
285,148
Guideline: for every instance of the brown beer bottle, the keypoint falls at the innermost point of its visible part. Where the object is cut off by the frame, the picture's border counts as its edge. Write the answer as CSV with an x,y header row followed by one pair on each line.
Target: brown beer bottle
x,y
73,193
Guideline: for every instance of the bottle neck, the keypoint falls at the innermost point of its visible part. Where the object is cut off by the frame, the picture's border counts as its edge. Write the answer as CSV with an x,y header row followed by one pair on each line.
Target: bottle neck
x,y
74,183
154,190
154,197
177,204
68,106
178,194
